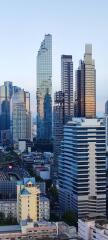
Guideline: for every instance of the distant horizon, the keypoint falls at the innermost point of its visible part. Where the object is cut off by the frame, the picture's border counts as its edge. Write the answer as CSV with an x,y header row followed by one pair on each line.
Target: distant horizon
x,y
23,25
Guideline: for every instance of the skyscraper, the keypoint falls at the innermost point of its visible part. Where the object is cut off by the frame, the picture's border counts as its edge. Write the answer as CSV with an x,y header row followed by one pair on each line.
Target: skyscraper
x,y
82,167
63,104
79,107
21,116
58,125
106,124
106,107
85,92
44,89
67,86
5,121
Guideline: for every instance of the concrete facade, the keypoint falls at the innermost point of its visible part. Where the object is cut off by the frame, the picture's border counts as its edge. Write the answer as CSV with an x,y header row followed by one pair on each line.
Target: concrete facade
x,y
82,167
44,208
91,229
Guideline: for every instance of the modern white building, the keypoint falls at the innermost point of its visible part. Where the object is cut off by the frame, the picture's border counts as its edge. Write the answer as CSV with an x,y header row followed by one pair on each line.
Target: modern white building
x,y
44,208
82,167
92,229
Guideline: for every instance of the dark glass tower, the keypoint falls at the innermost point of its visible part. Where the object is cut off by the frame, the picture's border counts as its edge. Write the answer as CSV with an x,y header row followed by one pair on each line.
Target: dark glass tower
x,y
67,86
5,118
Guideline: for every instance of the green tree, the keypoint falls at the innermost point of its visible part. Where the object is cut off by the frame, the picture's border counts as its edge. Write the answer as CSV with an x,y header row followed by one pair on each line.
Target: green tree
x,y
54,193
70,218
2,216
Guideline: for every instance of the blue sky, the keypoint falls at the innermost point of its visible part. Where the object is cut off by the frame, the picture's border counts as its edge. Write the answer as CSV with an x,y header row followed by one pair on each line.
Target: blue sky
x,y
72,23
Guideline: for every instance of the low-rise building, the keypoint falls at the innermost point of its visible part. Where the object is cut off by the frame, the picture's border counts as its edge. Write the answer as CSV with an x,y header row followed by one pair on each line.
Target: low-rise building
x,y
44,208
8,208
24,145
69,231
92,228
29,230
43,171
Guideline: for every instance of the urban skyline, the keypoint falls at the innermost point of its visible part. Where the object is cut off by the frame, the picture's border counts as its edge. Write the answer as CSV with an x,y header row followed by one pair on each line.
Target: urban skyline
x,y
18,53
53,119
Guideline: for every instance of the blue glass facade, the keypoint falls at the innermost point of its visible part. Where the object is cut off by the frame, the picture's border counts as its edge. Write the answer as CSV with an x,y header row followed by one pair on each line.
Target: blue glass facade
x,y
44,89
5,115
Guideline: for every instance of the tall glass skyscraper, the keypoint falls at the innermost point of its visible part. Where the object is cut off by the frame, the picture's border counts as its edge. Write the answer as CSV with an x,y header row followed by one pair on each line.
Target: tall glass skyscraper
x,y
57,125
5,98
85,92
44,89
67,86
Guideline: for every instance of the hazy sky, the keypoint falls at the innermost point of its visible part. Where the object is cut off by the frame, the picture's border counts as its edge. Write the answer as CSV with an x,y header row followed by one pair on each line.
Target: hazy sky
x,y
72,23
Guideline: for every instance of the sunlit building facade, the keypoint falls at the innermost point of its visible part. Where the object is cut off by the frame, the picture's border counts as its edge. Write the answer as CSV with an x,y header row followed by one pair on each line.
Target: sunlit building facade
x,y
27,200
90,83
44,89
85,87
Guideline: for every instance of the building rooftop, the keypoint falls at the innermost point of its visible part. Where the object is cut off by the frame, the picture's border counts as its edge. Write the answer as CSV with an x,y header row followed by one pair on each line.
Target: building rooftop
x,y
32,180
95,217
27,180
86,122
25,192
11,228
43,198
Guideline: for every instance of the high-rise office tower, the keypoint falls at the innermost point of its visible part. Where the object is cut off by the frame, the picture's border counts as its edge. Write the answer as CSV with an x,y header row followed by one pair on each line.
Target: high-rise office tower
x,y
79,107
106,124
82,167
63,104
85,92
58,125
5,121
44,89
67,86
21,116
90,83
106,107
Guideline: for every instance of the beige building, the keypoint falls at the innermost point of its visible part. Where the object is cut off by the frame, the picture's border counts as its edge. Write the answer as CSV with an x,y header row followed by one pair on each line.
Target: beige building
x,y
27,200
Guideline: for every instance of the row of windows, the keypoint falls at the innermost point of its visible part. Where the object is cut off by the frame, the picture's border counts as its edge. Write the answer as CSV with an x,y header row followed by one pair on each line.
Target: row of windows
x,y
84,128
